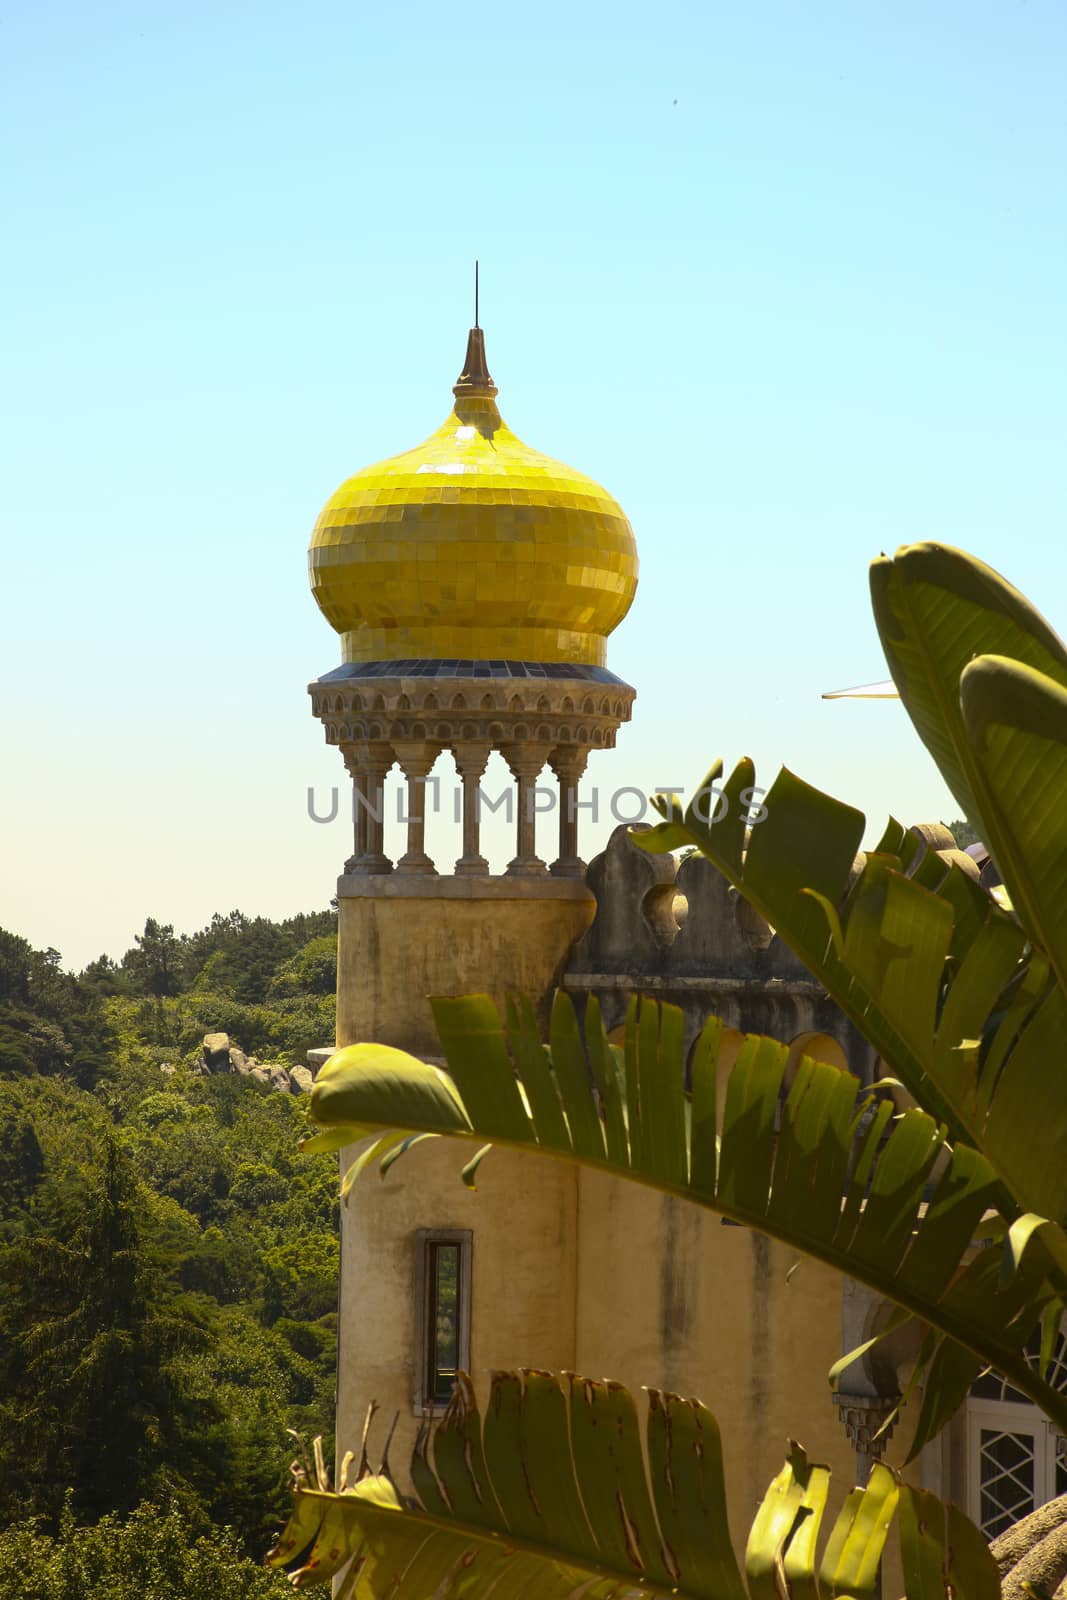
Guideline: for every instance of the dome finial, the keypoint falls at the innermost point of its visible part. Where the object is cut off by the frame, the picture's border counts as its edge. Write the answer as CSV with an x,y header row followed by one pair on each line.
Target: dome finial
x,y
475,379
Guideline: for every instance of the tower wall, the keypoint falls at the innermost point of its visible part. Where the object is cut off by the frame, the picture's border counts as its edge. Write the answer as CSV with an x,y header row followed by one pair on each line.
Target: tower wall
x,y
400,942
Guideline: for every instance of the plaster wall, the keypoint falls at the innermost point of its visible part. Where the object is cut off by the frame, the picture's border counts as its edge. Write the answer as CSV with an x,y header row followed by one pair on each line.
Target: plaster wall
x,y
670,1297
403,940
400,942
523,1218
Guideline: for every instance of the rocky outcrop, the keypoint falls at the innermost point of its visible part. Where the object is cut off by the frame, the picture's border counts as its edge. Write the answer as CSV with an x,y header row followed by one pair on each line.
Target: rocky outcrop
x,y
217,1054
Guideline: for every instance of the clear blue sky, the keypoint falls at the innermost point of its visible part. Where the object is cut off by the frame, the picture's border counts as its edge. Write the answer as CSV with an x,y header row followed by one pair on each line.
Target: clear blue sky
x,y
789,279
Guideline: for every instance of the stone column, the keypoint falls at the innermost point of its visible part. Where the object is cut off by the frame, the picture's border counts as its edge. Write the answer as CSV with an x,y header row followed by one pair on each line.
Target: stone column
x,y
416,761
369,761
471,759
359,815
568,763
526,762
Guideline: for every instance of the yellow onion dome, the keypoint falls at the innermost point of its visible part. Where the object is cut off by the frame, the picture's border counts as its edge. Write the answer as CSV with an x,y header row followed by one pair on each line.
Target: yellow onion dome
x,y
473,547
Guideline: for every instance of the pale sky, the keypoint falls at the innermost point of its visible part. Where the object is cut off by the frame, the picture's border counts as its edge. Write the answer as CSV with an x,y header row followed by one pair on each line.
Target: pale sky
x,y
790,280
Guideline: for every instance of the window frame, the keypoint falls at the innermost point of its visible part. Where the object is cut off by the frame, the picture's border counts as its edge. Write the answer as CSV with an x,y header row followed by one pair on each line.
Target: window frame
x,y
423,1401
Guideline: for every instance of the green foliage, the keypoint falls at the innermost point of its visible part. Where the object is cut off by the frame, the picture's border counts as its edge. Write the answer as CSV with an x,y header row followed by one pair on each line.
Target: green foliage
x,y
240,957
312,971
158,1331
151,1554
302,1278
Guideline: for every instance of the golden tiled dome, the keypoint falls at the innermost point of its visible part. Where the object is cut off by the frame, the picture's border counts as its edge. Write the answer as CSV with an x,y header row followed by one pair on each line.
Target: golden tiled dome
x,y
473,547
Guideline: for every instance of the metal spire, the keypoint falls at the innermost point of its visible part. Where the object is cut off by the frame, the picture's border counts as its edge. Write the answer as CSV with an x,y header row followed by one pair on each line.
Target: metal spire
x,y
475,379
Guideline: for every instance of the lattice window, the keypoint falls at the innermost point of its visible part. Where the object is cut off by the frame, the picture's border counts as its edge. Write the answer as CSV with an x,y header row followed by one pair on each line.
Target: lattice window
x,y
1007,1479
1016,1459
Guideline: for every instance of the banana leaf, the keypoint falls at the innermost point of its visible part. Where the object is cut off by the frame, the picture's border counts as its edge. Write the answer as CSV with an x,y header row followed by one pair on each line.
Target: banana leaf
x,y
937,610
552,1495
934,973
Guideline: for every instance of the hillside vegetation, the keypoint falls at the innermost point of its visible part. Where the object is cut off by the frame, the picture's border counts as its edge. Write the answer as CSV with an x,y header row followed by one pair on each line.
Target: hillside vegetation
x,y
169,1259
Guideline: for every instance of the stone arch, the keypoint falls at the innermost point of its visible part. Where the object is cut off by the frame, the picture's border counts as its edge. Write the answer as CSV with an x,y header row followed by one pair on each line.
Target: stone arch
x,y
543,732
378,703
657,908
403,704
587,705
338,704
459,702
568,704
357,702
430,703
543,703
755,930
487,702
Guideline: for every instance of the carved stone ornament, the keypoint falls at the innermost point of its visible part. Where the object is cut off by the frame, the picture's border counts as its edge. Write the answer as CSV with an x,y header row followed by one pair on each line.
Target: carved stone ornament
x,y
862,1416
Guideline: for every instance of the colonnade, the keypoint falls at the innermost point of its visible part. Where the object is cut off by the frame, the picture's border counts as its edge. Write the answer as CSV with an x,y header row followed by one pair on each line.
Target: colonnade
x,y
369,762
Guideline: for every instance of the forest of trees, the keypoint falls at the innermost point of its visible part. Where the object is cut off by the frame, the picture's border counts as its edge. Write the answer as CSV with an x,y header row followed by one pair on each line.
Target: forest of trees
x,y
168,1258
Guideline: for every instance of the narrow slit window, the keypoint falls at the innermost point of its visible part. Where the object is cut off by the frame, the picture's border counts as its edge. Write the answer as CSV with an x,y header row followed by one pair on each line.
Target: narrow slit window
x,y
443,1282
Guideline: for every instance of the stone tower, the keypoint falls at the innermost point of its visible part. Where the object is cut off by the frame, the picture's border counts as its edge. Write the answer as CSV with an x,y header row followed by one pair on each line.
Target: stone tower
x,y
473,583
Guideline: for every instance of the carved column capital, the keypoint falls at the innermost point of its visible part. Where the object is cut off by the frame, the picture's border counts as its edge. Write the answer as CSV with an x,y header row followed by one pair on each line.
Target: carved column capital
x,y
862,1416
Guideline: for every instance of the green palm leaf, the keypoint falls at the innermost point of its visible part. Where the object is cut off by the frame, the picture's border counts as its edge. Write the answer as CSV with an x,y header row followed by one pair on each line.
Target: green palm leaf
x,y
821,1167
1016,723
932,971
552,1496
937,609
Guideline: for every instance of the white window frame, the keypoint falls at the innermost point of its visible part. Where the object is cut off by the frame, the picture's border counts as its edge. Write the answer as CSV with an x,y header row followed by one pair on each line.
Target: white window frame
x,y
423,1401
1007,1416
